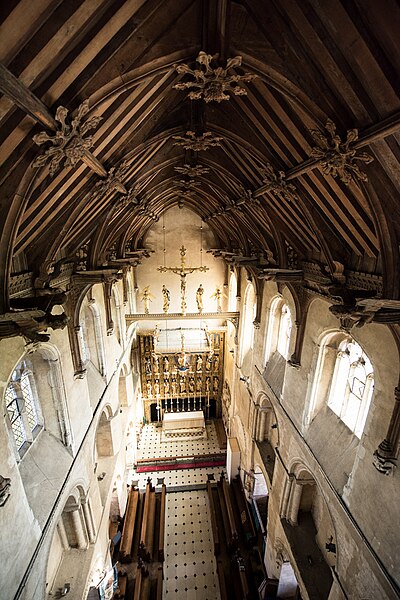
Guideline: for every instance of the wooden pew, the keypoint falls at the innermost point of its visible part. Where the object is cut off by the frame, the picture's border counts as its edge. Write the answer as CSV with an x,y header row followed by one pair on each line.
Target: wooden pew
x,y
231,516
122,583
221,579
149,536
224,513
143,551
138,585
243,508
213,519
125,547
159,587
162,524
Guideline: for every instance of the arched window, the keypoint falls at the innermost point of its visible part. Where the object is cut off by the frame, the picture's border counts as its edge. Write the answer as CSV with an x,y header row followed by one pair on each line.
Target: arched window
x,y
247,326
279,329
352,386
232,299
285,328
82,336
344,380
116,316
23,409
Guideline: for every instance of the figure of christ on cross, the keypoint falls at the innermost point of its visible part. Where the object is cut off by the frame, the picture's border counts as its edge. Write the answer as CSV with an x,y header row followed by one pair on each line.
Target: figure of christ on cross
x,y
182,271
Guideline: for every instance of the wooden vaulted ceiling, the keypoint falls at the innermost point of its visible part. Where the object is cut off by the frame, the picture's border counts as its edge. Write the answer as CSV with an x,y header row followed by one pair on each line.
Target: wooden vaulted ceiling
x,y
314,60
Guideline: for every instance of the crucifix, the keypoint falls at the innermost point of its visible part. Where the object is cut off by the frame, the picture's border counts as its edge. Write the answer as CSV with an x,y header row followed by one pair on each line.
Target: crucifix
x,y
182,271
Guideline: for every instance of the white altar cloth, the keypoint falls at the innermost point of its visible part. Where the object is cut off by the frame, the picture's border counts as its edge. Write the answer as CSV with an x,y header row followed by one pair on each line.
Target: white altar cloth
x,y
184,420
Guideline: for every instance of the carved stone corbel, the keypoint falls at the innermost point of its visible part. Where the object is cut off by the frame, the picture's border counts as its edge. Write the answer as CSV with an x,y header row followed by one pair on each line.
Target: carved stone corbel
x,y
303,301
107,289
72,306
125,291
385,456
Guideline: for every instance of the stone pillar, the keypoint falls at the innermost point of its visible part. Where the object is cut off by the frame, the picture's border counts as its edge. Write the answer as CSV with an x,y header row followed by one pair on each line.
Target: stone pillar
x,y
261,426
286,494
295,497
87,513
78,529
63,535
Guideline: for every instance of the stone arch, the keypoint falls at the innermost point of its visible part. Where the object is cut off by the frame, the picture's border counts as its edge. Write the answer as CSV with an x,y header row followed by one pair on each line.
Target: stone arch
x,y
303,495
232,294
104,444
116,315
267,424
52,356
328,375
47,385
98,336
279,328
247,323
74,532
124,386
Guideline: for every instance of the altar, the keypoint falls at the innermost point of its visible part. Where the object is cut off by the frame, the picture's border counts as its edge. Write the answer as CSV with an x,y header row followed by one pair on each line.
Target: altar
x,y
184,420
178,424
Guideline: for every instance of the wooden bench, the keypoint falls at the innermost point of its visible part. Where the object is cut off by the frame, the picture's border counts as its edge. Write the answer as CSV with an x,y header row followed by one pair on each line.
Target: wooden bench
x,y
125,548
243,508
143,550
159,585
138,585
121,589
231,531
214,527
161,532
221,579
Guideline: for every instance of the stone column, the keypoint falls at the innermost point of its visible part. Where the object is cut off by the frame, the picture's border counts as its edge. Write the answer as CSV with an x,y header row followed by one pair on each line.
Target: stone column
x,y
286,494
261,426
87,513
295,497
63,535
78,529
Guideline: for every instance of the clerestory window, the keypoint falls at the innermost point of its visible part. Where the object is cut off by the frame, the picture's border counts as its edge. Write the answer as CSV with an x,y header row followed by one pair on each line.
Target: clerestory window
x,y
351,386
22,405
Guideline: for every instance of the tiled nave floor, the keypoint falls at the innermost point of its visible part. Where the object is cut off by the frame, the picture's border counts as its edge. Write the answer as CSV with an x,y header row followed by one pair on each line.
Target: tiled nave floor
x,y
190,566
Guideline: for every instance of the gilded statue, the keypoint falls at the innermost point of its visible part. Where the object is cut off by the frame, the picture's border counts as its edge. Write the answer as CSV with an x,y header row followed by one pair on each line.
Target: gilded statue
x,y
217,295
199,298
166,299
146,299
